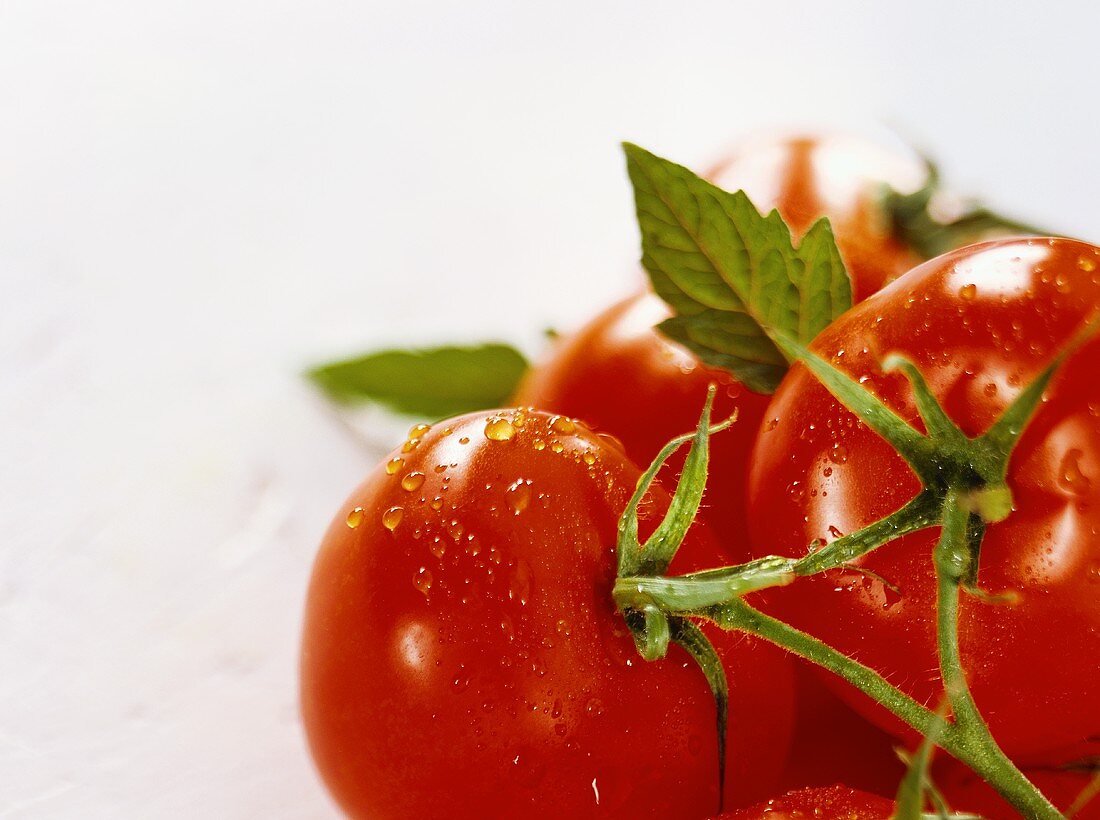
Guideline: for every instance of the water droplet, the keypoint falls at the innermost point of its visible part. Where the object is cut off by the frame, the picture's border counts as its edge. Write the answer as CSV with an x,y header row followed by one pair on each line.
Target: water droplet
x,y
1086,264
563,628
990,390
394,464
834,532
437,503
461,681
410,445
968,292
507,628
519,495
392,517
446,431
423,581
455,528
594,707
499,429
563,425
437,547
1071,477
538,444
770,425
556,446
1061,283
464,440
355,518
412,481
418,430
839,453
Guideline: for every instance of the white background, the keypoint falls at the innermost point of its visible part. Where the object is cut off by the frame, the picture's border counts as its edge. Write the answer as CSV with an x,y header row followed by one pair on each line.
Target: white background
x,y
200,197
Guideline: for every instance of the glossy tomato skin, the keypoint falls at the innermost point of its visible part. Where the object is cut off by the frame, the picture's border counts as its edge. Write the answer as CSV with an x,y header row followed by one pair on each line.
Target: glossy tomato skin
x,y
834,802
980,323
808,176
966,792
463,658
622,377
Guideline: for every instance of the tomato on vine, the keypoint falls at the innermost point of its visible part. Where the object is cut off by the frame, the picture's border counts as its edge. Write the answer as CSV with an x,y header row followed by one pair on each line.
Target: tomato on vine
x,y
462,654
980,324
826,802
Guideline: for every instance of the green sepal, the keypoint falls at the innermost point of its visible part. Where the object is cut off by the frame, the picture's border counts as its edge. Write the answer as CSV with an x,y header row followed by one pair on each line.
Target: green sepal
x,y
915,222
661,546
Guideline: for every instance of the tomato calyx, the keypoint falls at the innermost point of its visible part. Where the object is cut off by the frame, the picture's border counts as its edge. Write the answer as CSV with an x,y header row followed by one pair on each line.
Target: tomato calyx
x,y
932,223
964,490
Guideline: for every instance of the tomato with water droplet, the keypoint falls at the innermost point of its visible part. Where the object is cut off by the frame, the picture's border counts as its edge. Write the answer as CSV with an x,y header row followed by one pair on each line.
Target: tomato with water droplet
x,y
834,802
494,677
1030,660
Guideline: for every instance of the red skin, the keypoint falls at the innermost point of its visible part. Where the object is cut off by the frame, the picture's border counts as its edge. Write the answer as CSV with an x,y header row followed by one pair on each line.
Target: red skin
x,y
992,314
624,378
620,376
396,673
823,803
966,792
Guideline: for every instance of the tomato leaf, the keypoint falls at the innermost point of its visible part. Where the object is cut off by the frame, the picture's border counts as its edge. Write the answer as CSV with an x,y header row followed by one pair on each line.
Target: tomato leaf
x,y
731,275
917,223
435,382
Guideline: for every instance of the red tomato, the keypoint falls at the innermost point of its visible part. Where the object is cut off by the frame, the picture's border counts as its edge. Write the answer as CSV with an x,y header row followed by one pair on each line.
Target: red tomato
x,y
824,803
463,657
832,743
980,323
966,792
838,176
622,377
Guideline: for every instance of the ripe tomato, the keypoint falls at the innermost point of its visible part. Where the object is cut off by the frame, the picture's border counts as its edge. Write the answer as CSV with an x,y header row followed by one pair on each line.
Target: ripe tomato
x,y
980,323
838,176
966,792
622,377
463,657
823,803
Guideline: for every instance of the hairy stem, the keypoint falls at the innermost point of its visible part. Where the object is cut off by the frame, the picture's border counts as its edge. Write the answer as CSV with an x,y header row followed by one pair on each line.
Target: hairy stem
x,y
953,557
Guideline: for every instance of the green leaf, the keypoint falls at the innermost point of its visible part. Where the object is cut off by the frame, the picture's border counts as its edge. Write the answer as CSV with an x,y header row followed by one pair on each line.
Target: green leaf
x,y
435,382
916,223
732,276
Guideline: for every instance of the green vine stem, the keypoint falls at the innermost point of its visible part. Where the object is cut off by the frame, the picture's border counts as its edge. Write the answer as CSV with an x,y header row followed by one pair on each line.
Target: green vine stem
x,y
964,489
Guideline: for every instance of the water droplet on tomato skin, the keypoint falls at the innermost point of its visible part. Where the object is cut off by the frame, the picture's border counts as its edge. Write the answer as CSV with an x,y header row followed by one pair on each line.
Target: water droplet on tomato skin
x,y
556,446
563,425
412,482
422,580
1070,476
392,517
968,292
393,465
498,428
355,518
410,445
518,495
418,430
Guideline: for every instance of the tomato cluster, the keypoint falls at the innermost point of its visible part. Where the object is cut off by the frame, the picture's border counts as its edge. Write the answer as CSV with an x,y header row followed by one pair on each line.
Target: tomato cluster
x,y
463,655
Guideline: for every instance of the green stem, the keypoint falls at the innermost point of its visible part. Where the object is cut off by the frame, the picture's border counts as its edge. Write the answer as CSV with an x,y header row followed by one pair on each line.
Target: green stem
x,y
969,742
920,513
953,556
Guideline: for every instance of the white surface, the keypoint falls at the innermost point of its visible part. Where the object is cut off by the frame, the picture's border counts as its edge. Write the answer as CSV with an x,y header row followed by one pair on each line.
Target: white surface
x,y
197,197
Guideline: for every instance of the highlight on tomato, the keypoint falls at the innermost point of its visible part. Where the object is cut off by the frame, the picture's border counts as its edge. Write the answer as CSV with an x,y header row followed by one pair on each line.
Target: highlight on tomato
x,y
463,657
